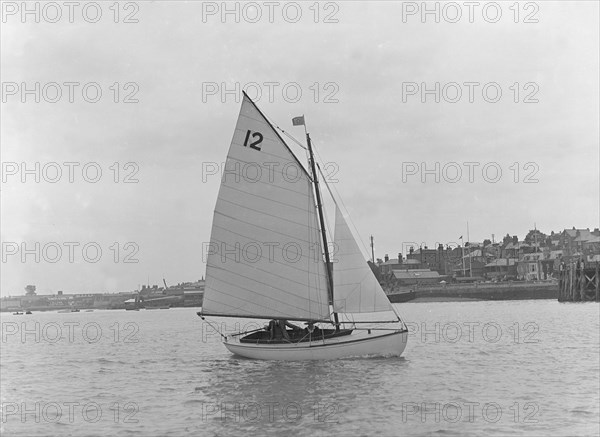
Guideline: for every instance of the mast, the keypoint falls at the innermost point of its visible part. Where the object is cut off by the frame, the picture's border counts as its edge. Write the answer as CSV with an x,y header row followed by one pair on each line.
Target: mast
x,y
323,232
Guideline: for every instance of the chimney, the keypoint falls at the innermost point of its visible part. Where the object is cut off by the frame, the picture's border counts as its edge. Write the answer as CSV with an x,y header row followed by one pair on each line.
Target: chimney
x,y
386,258
411,250
399,258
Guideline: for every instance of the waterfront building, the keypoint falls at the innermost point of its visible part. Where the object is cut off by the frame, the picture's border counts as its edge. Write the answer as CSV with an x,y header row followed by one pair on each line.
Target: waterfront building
x,y
417,277
501,269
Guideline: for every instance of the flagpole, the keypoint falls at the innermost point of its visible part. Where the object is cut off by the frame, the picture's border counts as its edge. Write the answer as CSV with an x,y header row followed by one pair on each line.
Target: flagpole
x,y
304,124
462,249
469,252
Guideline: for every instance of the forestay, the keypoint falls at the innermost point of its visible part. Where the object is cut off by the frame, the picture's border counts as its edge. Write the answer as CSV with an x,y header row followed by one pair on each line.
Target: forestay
x,y
265,255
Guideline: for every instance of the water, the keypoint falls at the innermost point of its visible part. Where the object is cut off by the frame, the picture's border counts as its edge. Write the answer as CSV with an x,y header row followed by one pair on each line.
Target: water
x,y
470,369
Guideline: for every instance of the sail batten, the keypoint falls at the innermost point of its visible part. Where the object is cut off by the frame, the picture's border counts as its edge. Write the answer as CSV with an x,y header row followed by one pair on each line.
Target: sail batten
x,y
280,158
258,256
269,309
267,199
265,231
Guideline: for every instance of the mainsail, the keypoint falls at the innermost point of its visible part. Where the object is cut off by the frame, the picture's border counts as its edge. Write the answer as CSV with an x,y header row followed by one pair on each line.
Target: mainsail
x,y
265,254
356,287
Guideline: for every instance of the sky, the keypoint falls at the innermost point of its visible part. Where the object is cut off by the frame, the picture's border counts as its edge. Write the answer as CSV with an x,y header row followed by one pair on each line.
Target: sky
x,y
123,115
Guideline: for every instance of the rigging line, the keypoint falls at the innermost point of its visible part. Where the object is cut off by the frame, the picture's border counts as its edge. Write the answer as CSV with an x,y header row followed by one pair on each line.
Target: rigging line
x,y
328,225
342,202
328,228
290,137
317,276
212,326
327,185
349,217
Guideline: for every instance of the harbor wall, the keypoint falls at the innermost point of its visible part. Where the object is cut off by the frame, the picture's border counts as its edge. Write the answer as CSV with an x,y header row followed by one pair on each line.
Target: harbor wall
x,y
509,291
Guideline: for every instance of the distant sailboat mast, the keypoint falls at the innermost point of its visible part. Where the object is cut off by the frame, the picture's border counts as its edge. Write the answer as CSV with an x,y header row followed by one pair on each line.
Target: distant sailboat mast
x,y
323,231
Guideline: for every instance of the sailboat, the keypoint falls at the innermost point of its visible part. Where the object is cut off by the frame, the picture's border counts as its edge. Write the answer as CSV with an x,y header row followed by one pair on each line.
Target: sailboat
x,y
269,258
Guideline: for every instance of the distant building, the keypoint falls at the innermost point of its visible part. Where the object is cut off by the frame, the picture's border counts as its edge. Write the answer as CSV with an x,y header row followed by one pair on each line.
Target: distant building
x,y
439,260
514,249
591,246
387,265
539,265
417,277
574,240
501,268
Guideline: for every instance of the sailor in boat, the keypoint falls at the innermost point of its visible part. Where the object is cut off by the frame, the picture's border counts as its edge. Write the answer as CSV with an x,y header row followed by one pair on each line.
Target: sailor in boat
x,y
278,329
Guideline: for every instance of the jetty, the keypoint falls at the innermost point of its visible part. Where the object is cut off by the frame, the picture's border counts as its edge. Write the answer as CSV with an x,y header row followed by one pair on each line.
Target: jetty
x,y
579,282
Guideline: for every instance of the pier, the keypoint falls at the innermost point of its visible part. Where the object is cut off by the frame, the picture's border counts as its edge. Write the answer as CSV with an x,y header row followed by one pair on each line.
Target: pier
x,y
579,282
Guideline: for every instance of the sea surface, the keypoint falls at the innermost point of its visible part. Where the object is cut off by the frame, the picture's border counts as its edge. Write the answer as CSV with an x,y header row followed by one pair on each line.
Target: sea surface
x,y
470,369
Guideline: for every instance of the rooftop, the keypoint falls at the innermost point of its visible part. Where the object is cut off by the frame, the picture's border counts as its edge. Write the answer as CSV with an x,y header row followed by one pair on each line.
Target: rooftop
x,y
519,245
501,262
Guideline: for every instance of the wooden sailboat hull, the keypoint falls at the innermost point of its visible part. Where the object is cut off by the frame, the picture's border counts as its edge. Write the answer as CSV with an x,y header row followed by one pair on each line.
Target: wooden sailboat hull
x,y
361,343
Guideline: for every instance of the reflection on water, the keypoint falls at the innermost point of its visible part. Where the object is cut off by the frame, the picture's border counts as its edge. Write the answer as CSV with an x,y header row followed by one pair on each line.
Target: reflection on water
x,y
474,368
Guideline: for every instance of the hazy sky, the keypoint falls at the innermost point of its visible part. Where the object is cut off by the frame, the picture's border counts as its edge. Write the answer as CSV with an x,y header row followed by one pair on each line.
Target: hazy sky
x,y
369,63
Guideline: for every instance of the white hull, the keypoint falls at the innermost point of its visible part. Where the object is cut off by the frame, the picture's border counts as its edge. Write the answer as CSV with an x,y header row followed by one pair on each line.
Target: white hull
x,y
359,343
